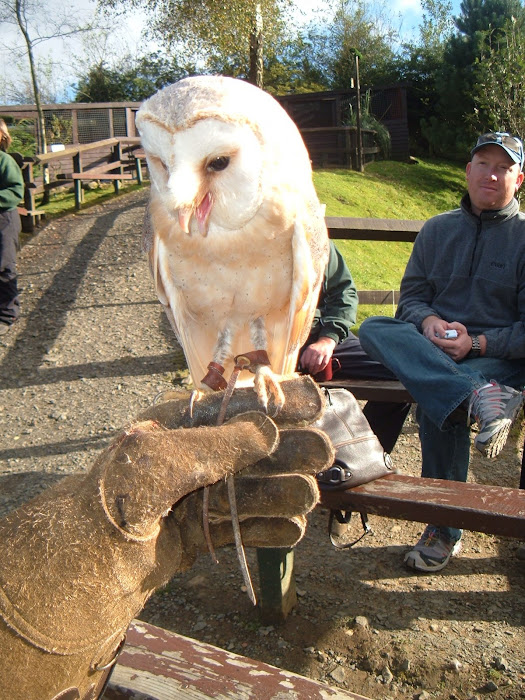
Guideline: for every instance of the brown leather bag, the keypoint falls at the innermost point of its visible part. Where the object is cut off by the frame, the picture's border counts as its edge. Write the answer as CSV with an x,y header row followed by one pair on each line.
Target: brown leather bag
x,y
359,456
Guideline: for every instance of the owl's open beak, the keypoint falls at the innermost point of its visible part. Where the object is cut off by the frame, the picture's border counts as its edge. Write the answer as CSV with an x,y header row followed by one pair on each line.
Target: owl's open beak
x,y
201,212
184,218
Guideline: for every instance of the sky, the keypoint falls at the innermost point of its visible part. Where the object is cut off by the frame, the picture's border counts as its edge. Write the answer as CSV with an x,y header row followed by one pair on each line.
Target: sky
x,y
130,29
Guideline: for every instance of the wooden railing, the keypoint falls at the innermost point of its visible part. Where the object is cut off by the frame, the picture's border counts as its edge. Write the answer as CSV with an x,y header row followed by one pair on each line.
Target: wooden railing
x,y
114,159
390,230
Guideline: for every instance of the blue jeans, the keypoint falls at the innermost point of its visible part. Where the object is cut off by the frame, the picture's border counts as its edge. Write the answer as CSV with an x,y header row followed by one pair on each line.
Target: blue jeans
x,y
440,386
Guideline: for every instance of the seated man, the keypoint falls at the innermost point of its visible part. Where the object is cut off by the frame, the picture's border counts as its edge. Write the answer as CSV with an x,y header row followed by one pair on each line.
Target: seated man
x,y
332,348
466,274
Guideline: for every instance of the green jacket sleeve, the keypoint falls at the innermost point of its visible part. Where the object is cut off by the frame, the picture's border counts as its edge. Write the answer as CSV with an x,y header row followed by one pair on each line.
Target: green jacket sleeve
x,y
11,182
337,308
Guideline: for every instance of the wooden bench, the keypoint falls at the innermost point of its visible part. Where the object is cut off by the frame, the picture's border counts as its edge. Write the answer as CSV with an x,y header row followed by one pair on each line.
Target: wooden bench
x,y
491,509
159,665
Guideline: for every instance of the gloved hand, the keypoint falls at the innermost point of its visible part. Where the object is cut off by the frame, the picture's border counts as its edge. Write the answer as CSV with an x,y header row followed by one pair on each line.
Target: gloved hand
x,y
78,562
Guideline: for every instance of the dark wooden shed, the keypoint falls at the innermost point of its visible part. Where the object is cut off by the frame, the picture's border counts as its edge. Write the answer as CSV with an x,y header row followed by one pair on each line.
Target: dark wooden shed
x,y
330,109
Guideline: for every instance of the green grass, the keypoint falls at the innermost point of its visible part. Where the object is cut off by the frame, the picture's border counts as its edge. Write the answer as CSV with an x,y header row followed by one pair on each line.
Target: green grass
x,y
62,203
392,190
389,190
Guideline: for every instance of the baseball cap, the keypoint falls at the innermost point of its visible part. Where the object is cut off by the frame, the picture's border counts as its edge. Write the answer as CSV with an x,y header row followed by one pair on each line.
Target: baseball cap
x,y
510,144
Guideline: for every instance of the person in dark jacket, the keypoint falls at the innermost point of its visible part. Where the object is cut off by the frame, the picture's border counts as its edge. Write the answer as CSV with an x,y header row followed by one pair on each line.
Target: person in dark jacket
x,y
11,193
332,350
457,342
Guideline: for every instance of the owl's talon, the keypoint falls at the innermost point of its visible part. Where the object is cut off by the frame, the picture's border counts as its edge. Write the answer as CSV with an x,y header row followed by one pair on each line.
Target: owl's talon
x,y
266,383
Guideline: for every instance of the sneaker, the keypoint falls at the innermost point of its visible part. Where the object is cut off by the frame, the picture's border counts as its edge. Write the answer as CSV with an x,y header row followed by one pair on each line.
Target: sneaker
x,y
495,408
4,328
432,552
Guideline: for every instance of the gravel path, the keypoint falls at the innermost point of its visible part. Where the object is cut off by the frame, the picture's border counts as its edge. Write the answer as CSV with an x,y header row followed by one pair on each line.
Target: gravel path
x,y
92,349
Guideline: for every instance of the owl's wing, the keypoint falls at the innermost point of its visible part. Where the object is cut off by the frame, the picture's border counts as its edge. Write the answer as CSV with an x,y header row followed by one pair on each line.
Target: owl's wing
x,y
310,256
194,340
150,246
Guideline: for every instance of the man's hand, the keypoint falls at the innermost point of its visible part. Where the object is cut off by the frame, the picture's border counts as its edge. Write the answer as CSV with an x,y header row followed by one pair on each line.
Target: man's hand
x,y
434,328
317,355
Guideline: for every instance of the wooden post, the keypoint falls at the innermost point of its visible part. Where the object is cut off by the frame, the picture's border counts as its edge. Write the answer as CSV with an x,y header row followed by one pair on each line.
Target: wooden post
x,y
360,164
110,123
74,126
77,184
130,122
138,168
348,147
277,583
117,157
28,221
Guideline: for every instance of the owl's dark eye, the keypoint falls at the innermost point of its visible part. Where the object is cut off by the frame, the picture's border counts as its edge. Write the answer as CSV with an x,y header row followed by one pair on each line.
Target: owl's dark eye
x,y
219,163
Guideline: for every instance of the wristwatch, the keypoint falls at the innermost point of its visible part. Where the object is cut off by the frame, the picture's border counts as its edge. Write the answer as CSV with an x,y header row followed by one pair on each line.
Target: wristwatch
x,y
476,347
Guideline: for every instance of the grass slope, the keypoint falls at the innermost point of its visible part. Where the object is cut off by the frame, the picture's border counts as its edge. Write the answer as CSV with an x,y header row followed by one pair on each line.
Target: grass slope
x,y
389,190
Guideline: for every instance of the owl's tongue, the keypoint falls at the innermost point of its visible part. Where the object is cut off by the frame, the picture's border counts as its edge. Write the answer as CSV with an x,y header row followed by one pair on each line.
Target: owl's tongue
x,y
202,212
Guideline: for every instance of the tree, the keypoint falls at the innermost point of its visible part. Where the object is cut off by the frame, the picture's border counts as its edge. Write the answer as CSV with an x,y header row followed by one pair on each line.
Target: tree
x,y
355,25
214,34
499,95
291,67
36,24
130,79
419,68
18,88
437,25
480,22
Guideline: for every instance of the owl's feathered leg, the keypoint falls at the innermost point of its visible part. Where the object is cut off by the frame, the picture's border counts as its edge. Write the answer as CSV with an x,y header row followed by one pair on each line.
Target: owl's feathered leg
x,y
266,382
214,377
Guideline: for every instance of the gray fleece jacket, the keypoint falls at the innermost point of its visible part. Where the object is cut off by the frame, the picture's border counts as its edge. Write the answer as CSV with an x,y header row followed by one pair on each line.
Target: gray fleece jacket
x,y
471,269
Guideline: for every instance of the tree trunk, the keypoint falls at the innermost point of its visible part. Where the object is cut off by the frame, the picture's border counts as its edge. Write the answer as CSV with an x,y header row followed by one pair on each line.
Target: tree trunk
x,y
256,49
42,141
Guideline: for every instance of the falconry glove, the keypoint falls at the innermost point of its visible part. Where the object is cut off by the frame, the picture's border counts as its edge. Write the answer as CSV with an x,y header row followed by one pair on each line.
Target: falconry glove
x,y
79,561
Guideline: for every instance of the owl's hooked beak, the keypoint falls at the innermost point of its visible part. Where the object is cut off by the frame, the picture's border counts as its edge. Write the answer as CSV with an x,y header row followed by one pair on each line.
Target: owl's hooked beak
x,y
201,212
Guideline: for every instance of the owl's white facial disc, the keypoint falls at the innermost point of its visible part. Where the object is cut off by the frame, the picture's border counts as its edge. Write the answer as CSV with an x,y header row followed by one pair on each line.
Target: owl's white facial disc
x,y
210,172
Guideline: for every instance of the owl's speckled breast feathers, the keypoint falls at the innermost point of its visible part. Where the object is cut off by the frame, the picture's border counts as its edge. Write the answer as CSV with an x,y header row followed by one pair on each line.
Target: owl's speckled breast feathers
x,y
234,230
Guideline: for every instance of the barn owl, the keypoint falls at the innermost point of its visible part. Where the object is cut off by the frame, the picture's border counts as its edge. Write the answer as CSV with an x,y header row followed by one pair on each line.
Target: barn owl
x,y
234,231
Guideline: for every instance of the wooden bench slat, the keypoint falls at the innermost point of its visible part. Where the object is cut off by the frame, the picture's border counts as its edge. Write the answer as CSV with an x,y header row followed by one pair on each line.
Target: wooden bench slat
x,y
156,663
31,212
98,175
378,296
361,229
102,168
94,175
74,149
496,510
372,389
